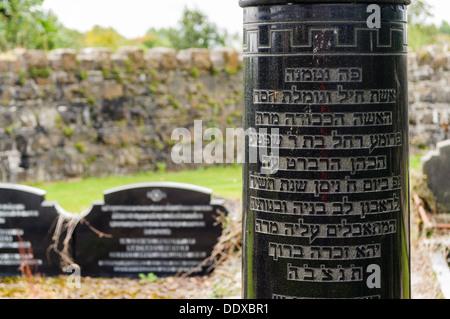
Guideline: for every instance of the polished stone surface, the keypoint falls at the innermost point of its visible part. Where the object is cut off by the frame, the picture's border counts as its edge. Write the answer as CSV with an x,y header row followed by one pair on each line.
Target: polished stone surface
x,y
160,228
26,229
326,202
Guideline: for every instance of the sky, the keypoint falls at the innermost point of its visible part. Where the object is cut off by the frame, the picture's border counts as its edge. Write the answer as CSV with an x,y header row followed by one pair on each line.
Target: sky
x,y
132,18
441,10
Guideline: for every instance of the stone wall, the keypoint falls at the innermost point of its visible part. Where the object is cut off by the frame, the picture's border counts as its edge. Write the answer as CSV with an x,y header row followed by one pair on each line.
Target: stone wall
x,y
67,114
429,96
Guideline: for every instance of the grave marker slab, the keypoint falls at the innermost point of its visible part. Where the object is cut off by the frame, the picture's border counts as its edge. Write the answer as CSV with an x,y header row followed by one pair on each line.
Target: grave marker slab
x,y
436,167
26,223
161,228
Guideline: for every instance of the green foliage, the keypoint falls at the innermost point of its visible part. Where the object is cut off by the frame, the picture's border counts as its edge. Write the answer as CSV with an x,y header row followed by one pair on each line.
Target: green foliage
x,y
149,278
40,73
444,28
19,23
156,38
23,23
80,147
421,35
420,32
194,30
161,167
22,78
68,131
68,38
104,37
194,72
418,12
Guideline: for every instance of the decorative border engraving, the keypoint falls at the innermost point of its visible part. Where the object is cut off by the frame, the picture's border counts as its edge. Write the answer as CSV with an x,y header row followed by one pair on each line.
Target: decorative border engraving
x,y
261,38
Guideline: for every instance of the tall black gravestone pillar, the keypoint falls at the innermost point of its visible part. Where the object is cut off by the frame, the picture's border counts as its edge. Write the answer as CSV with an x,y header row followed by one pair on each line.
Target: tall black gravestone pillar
x,y
326,179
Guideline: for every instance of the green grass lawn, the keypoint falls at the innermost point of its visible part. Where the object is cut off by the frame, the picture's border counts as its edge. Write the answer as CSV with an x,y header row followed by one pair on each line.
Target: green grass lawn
x,y
75,196
225,181
415,162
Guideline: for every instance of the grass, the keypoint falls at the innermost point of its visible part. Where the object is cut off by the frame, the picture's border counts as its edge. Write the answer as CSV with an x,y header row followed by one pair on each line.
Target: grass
x,y
75,196
415,162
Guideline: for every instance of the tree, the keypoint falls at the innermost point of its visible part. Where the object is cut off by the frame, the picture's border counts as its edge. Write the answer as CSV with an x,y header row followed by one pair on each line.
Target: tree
x,y
420,33
195,31
418,12
104,37
156,38
444,28
20,22
23,23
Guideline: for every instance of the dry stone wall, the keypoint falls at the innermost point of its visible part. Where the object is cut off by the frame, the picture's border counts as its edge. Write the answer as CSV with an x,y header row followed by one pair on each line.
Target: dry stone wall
x,y
429,96
67,114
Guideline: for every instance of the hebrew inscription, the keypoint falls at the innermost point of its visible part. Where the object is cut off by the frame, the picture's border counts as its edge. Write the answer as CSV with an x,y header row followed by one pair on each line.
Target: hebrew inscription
x,y
329,221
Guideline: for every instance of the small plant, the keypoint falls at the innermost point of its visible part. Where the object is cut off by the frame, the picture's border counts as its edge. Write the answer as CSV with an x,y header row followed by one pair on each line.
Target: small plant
x,y
22,78
68,131
231,71
161,167
116,75
9,130
128,68
214,72
153,73
40,73
201,106
194,72
153,88
91,159
106,74
80,147
83,75
148,278
91,101
176,105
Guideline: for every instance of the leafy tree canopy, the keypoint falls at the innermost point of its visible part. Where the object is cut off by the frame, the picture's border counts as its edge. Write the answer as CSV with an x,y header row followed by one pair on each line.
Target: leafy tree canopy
x,y
23,23
104,37
418,12
194,30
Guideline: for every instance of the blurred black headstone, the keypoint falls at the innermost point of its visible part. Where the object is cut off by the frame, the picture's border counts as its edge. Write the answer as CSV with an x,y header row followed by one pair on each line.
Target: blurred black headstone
x,y
26,226
160,228
436,168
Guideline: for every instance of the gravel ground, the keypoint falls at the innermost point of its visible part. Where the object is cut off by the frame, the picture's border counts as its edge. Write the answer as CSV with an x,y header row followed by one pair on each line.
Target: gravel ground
x,y
424,284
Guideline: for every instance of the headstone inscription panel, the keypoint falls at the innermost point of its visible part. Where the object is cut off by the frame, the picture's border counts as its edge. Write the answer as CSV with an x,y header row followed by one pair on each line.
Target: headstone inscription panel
x,y
26,225
162,228
326,204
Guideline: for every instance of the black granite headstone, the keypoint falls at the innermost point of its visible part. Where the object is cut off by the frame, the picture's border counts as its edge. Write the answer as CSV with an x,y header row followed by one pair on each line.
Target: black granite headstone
x,y
326,204
161,228
26,228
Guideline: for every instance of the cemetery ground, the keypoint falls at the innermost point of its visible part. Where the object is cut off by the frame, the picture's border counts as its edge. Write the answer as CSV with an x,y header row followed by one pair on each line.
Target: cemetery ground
x,y
225,280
